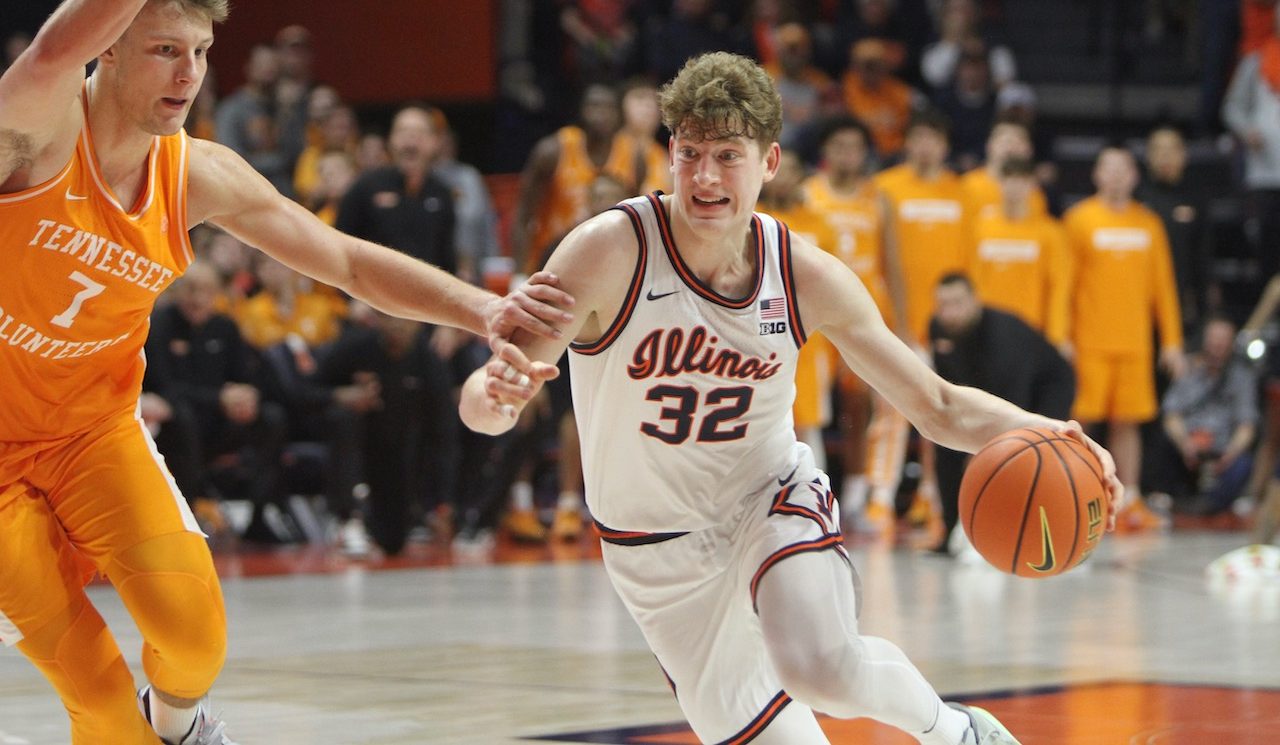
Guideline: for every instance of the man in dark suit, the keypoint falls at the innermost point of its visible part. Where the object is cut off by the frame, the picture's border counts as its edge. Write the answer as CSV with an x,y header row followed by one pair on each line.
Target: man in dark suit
x,y
999,353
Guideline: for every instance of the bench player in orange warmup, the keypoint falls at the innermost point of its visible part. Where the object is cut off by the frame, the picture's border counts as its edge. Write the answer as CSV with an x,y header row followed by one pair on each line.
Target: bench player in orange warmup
x,y
98,186
1122,287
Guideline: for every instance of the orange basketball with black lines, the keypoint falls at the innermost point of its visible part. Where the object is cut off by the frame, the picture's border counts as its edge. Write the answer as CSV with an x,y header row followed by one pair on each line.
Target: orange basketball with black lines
x,y
1033,502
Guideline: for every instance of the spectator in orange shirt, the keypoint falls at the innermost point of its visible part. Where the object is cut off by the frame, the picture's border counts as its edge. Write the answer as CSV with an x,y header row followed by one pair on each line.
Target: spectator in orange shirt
x,y
288,306
339,132
1009,138
638,140
336,172
1020,263
1257,24
903,26
874,95
1123,276
554,183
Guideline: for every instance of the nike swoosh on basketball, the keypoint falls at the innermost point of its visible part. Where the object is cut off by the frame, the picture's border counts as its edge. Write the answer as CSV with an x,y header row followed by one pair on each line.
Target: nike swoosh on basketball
x,y
783,481
1049,561
74,197
652,296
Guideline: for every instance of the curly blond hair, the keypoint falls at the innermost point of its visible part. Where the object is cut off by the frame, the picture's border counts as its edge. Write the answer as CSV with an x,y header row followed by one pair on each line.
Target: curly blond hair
x,y
721,95
216,10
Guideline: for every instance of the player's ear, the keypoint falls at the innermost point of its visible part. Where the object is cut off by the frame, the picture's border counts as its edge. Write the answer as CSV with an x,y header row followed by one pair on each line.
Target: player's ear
x,y
109,56
772,158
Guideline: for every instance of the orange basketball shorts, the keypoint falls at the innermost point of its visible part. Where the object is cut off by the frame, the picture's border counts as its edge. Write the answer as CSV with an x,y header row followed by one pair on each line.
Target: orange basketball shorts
x,y
1115,387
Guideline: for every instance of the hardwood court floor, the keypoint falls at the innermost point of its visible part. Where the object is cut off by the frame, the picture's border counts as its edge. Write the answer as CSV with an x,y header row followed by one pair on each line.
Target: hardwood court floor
x,y
1135,648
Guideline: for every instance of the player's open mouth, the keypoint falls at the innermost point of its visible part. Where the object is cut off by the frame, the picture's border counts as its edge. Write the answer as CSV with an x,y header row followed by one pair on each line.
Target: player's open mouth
x,y
175,102
711,202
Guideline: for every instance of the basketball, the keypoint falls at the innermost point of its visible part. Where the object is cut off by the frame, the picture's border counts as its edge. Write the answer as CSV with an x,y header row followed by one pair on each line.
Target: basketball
x,y
1033,502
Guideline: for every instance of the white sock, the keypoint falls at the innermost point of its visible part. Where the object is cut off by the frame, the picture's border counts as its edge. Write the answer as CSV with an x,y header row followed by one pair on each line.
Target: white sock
x,y
570,501
854,495
522,496
950,729
171,723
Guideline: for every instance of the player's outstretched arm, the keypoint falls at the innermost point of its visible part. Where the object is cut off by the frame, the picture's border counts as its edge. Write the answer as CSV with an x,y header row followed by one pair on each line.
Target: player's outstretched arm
x,y
38,93
834,302
227,192
595,264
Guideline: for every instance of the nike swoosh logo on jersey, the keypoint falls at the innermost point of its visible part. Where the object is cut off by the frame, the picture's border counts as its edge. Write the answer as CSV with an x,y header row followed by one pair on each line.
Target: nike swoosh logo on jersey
x,y
652,296
783,481
74,197
1049,560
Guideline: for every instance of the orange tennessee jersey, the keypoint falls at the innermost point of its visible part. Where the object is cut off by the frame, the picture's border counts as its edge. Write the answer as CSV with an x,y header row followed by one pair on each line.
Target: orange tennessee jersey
x,y
565,203
1123,277
629,152
858,224
933,235
1022,266
313,316
816,365
82,273
983,192
807,222
886,110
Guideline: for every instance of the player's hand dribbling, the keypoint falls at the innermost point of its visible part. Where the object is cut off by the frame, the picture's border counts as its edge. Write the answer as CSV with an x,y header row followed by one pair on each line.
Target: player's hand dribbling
x,y
1115,490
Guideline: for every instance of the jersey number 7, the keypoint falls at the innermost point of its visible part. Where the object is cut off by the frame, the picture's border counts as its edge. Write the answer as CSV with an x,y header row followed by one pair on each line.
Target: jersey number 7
x,y
91,289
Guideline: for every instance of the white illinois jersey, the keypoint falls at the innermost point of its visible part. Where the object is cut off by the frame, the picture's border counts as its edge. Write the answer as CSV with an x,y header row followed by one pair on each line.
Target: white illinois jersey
x,y
684,402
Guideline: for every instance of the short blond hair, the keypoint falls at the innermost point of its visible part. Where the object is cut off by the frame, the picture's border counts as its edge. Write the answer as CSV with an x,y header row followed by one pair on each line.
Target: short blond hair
x,y
721,95
216,10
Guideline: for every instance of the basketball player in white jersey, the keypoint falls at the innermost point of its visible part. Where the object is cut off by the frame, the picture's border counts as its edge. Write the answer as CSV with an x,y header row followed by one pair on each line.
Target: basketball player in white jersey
x,y
721,536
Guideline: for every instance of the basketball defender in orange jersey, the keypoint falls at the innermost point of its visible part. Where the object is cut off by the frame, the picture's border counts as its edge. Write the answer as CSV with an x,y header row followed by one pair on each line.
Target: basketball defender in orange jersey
x,y
98,185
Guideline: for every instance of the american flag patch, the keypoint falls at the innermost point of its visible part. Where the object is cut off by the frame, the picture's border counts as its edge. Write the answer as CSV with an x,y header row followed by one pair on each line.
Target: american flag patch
x,y
774,307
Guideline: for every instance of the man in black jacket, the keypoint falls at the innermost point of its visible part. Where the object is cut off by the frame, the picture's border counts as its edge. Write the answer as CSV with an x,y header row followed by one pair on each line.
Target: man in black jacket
x,y
198,362
999,353
403,205
392,425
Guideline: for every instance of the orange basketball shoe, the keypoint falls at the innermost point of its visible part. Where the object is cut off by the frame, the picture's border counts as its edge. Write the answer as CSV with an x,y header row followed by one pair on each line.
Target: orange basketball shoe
x,y
524,525
877,519
1137,517
568,524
